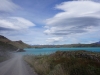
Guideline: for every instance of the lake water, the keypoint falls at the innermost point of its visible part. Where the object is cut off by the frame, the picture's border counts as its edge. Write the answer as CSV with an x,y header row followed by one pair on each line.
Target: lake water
x,y
38,51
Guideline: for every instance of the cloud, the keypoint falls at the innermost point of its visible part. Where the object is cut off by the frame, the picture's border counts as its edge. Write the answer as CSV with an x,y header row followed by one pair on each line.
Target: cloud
x,y
8,6
77,17
54,39
85,0
15,23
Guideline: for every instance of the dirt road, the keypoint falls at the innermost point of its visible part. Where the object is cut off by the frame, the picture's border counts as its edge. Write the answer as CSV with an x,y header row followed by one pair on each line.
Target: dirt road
x,y
16,66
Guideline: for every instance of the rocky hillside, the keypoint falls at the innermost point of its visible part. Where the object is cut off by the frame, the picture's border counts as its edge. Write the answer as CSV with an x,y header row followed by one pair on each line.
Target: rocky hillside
x,y
5,43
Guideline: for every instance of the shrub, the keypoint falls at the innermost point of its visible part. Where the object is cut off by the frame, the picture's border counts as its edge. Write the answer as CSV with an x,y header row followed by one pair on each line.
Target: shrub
x,y
66,63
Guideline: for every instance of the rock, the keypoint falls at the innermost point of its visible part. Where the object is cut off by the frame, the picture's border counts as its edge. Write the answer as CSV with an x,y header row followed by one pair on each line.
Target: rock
x,y
20,50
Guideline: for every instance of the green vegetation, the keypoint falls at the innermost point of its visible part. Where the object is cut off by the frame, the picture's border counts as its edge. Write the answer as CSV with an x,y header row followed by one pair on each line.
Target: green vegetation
x,y
66,63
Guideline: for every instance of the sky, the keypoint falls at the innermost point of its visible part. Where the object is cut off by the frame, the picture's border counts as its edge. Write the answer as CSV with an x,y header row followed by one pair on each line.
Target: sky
x,y
40,22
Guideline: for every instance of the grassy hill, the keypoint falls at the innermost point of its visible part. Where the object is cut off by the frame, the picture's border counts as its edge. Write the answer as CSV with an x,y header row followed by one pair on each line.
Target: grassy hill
x,y
19,44
5,43
6,46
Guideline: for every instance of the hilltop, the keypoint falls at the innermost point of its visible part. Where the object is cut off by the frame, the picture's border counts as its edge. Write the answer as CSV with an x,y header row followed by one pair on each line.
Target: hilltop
x,y
20,44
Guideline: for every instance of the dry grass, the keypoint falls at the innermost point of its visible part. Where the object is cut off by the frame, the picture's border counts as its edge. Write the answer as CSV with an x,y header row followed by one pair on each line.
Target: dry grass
x,y
66,63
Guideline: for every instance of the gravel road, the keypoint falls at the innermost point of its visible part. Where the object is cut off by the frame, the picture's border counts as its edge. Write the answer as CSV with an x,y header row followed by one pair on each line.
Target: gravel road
x,y
16,66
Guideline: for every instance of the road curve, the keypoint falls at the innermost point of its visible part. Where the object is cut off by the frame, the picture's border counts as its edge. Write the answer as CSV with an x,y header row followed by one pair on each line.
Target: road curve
x,y
16,66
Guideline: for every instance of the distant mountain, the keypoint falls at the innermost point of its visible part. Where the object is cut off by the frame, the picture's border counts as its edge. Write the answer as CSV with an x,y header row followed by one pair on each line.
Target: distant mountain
x,y
98,42
67,45
5,44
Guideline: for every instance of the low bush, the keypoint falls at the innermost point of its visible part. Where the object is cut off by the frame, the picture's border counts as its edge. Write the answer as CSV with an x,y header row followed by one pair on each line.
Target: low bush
x,y
66,63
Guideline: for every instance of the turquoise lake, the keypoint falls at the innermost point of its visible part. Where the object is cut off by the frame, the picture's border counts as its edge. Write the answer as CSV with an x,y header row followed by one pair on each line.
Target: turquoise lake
x,y
38,51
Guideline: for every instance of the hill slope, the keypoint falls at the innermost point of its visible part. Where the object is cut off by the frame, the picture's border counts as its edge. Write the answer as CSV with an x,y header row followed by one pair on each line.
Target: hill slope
x,y
20,44
5,43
